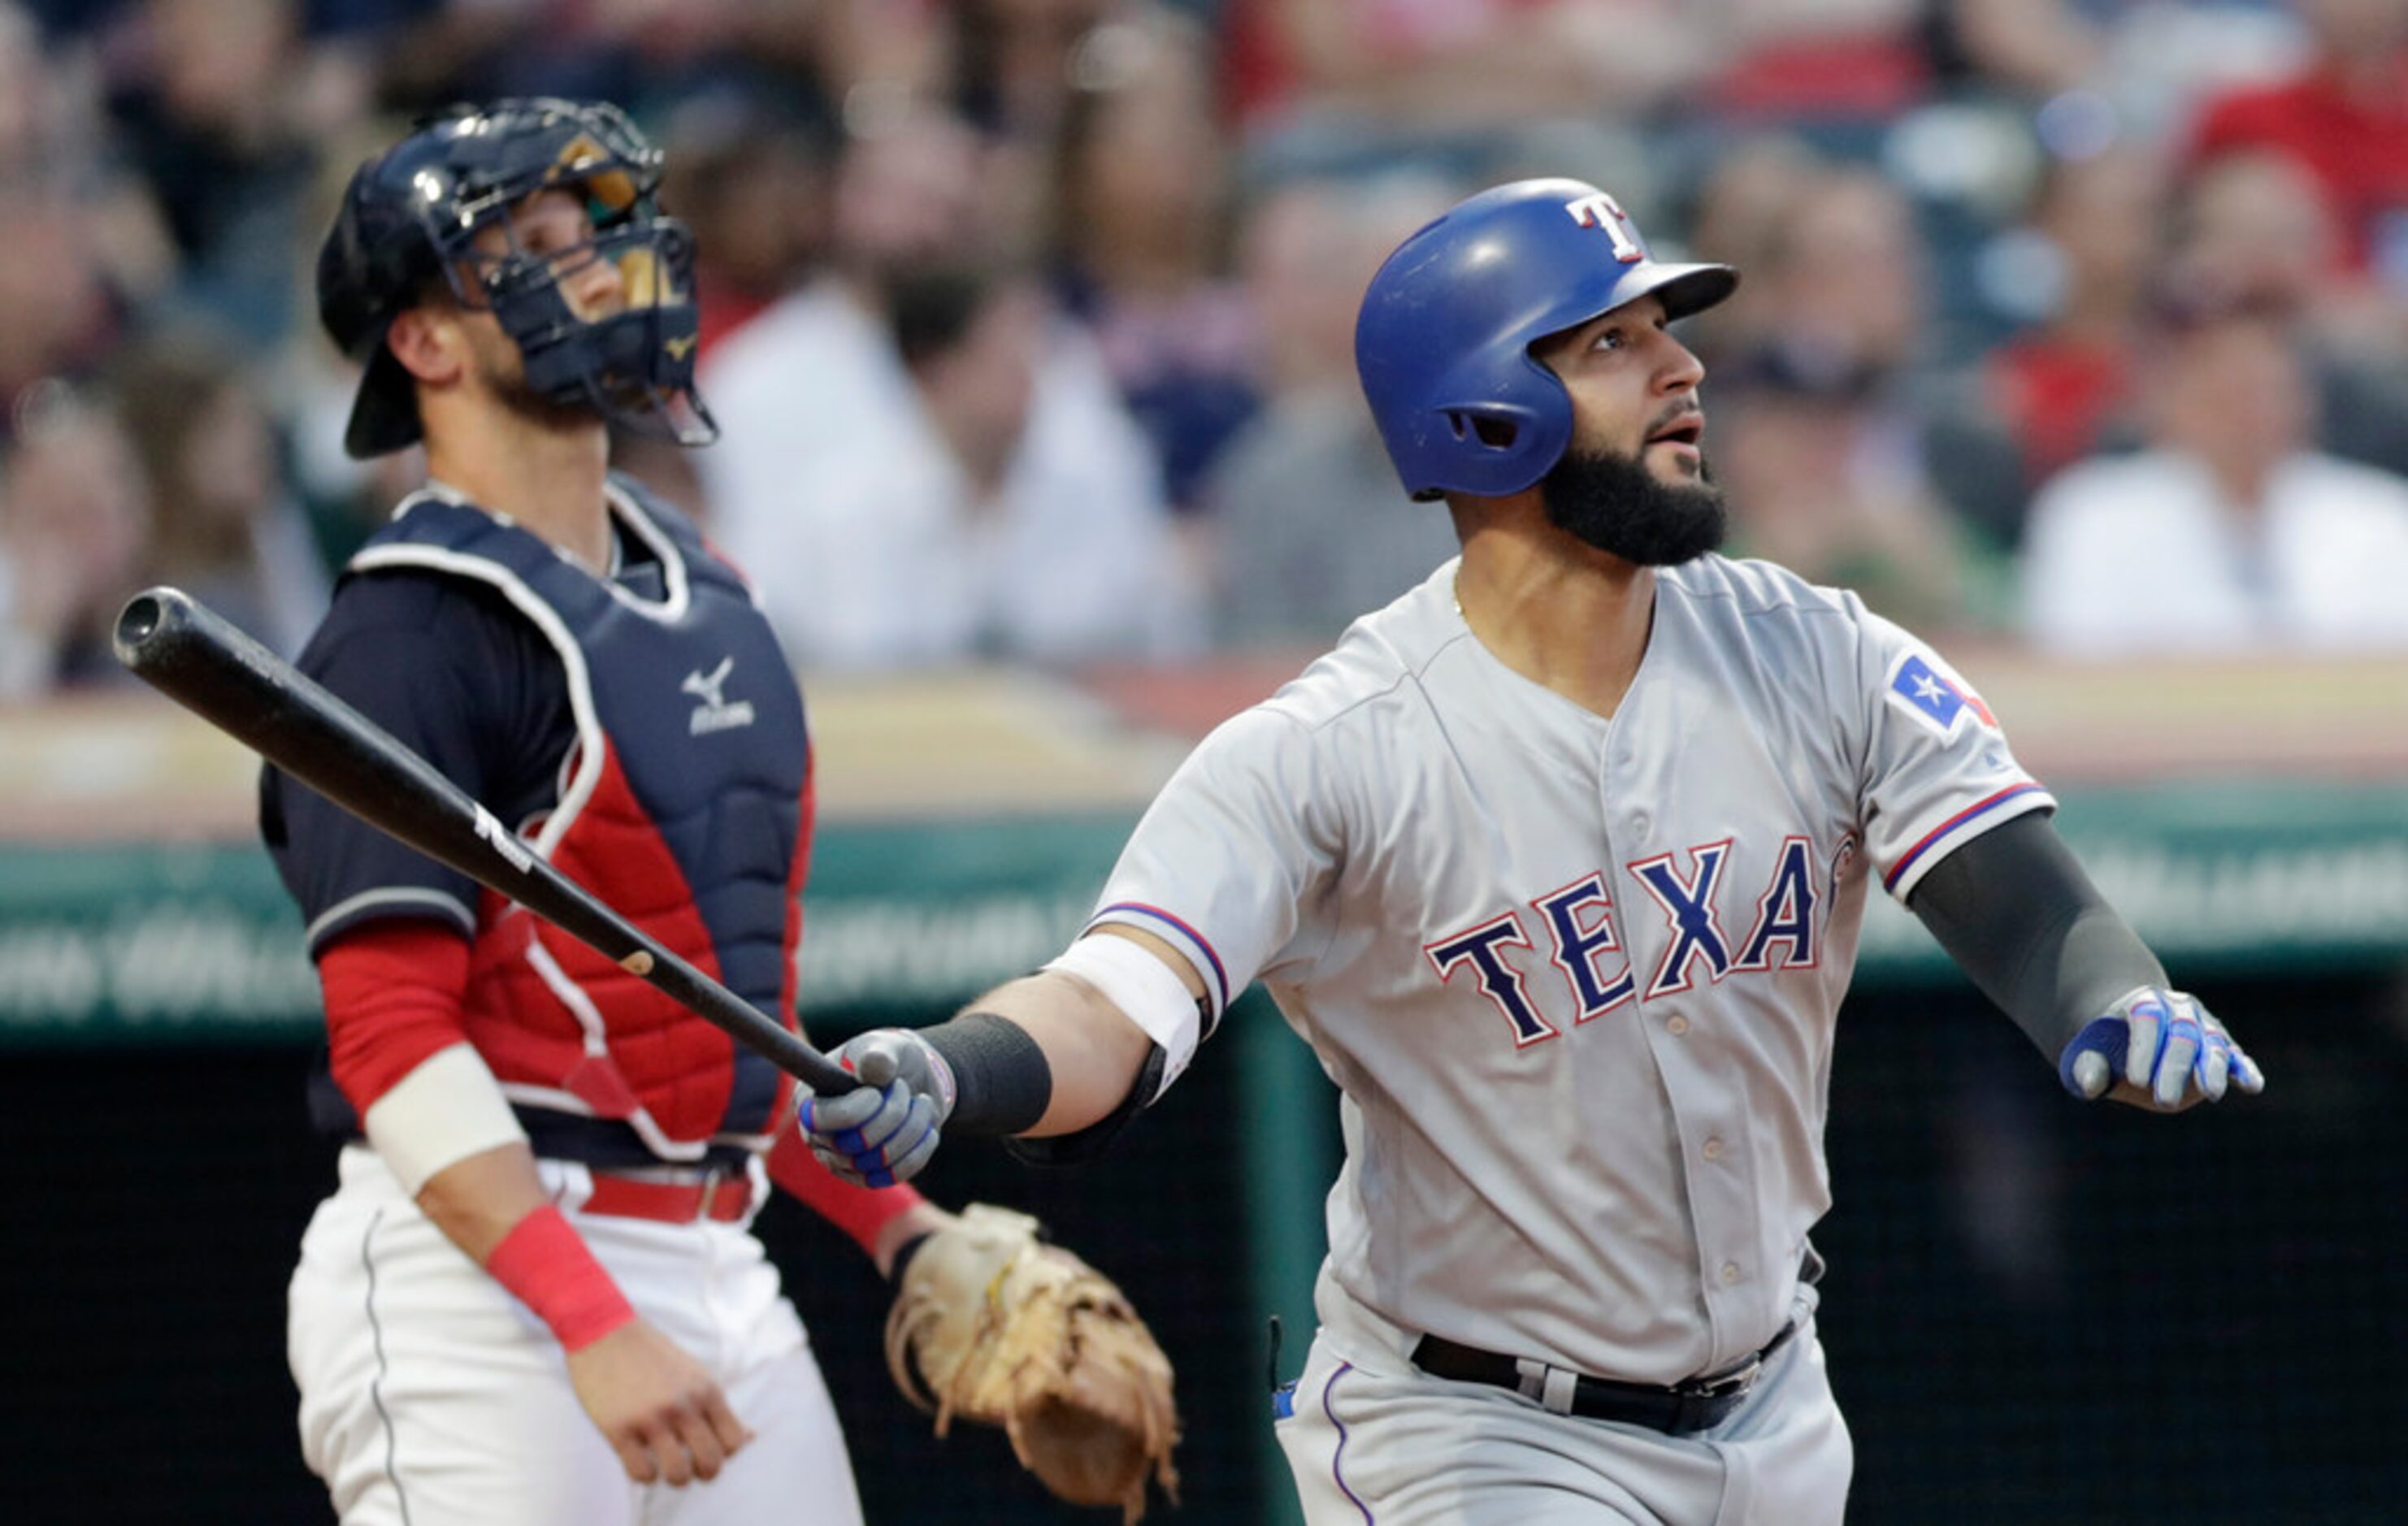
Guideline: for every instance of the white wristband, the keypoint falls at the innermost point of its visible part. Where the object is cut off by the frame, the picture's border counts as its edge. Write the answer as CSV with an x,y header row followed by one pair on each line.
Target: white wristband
x,y
446,1111
1148,992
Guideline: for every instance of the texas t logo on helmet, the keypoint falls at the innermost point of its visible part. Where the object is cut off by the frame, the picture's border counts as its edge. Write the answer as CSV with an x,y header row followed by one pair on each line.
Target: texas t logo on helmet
x,y
1599,210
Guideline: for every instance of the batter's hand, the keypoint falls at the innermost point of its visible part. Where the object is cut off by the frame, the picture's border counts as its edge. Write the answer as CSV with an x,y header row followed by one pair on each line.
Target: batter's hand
x,y
657,1406
2158,1050
883,1131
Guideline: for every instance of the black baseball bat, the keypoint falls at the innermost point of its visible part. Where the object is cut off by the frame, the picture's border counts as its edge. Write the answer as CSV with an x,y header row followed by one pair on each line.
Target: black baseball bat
x,y
202,661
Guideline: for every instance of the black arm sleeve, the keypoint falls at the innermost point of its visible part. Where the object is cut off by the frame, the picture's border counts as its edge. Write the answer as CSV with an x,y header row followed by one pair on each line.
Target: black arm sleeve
x,y
1003,1085
2025,923
1001,1081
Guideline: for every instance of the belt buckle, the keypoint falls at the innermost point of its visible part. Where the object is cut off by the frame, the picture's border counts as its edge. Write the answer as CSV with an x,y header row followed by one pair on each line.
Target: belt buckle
x,y
1730,1384
708,1197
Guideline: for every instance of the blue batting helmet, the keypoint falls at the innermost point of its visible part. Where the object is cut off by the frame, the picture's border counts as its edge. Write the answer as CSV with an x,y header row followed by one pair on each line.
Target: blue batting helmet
x,y
411,216
1442,344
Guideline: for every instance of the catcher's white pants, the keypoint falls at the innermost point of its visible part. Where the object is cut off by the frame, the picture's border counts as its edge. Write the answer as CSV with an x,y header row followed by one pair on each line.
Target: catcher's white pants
x,y
1374,1441
431,1397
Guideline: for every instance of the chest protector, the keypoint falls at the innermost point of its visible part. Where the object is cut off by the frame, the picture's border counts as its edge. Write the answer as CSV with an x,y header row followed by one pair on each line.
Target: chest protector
x,y
684,803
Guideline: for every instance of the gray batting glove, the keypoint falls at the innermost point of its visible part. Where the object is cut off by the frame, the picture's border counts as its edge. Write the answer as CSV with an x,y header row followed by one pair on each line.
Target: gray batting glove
x,y
2152,1049
883,1131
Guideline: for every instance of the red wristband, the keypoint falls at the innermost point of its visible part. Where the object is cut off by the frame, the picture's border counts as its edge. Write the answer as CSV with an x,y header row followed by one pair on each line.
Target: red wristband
x,y
548,1265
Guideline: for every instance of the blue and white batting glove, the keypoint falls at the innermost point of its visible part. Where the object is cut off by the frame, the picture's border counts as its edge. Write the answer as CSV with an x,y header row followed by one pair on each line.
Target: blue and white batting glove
x,y
2158,1044
883,1131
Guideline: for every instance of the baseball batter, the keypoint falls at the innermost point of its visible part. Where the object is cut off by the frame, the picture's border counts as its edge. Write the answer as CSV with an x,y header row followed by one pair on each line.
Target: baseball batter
x,y
1559,863
535,1298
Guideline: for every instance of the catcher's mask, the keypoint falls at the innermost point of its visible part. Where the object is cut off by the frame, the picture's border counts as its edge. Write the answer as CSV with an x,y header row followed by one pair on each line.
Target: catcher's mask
x,y
1442,342
411,214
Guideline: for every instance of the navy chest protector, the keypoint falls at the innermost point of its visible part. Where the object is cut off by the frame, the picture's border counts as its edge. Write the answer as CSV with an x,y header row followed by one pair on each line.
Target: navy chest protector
x,y
683,802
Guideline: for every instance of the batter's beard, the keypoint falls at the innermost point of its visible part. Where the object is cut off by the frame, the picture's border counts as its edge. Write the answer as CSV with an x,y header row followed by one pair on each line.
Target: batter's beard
x,y
1615,504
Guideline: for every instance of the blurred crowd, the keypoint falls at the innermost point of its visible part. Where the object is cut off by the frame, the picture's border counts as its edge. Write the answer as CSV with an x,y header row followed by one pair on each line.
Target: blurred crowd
x,y
1028,323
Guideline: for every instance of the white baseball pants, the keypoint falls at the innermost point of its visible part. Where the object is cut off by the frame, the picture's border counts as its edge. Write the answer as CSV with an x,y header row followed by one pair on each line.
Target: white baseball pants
x,y
1379,1443
432,1397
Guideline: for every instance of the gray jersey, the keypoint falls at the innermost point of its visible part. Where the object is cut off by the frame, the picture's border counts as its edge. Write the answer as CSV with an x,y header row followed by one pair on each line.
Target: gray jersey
x,y
1576,977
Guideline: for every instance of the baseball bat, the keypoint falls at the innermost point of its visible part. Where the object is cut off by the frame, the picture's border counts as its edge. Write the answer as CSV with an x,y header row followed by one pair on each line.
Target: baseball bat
x,y
202,661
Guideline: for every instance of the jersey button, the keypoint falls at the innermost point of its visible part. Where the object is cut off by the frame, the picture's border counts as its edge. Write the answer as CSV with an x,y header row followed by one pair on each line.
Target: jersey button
x,y
1731,1272
1713,1148
1676,1025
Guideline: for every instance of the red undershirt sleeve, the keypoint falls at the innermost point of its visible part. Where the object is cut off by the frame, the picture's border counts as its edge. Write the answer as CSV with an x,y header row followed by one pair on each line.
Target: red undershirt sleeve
x,y
861,1212
393,989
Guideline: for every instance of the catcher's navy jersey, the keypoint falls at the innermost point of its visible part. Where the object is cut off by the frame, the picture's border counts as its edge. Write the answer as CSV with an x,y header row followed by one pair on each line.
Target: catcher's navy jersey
x,y
643,733
1575,975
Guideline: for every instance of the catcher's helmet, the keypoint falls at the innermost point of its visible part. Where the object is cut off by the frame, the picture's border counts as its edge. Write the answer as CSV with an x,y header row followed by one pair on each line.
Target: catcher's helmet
x,y
410,214
1443,343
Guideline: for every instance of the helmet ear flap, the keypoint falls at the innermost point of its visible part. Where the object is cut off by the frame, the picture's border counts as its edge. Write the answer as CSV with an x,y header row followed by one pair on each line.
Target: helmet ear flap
x,y
1504,433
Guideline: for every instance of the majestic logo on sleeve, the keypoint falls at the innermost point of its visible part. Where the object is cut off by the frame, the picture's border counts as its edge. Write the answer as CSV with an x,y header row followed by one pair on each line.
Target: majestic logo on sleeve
x,y
716,713
1585,944
1935,697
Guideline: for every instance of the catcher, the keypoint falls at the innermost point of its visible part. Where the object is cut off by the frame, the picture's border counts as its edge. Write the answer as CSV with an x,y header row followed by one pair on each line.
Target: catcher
x,y
535,1298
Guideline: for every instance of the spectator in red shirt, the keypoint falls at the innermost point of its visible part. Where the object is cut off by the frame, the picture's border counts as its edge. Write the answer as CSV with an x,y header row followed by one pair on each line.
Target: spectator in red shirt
x,y
2058,386
2258,227
2345,118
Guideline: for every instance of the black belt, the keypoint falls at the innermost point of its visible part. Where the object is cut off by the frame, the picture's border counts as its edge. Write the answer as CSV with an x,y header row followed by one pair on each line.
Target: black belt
x,y
1699,1404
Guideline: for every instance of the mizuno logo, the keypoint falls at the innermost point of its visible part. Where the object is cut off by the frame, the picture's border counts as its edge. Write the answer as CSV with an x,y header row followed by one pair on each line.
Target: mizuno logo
x,y
716,713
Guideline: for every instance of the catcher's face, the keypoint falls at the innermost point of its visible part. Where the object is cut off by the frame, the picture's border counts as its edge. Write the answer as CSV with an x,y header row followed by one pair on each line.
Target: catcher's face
x,y
1634,390
556,226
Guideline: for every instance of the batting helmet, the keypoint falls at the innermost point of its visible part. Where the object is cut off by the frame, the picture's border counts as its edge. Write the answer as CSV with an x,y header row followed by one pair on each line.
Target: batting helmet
x,y
1443,343
411,216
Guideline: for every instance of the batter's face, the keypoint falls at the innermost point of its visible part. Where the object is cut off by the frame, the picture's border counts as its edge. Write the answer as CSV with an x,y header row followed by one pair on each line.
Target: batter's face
x,y
1633,481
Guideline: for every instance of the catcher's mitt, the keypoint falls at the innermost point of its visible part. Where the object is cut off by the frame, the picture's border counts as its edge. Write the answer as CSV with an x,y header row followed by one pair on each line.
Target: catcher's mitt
x,y
992,1324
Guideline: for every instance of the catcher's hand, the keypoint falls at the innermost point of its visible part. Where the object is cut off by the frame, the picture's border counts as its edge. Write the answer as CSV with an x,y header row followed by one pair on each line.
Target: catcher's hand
x,y
2158,1050
992,1324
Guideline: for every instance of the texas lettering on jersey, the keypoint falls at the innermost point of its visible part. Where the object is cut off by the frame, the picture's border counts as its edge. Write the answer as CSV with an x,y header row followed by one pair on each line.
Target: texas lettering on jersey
x,y
1687,889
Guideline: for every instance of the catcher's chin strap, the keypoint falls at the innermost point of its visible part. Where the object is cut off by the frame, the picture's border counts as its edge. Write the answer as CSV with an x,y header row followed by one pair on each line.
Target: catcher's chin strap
x,y
1090,1142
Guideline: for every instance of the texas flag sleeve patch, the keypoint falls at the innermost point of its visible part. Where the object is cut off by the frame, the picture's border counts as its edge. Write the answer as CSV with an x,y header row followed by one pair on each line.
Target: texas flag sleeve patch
x,y
1935,697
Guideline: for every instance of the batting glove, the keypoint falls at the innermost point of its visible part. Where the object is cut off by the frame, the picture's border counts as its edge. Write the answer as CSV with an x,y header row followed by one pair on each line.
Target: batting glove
x,y
2158,1044
883,1131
